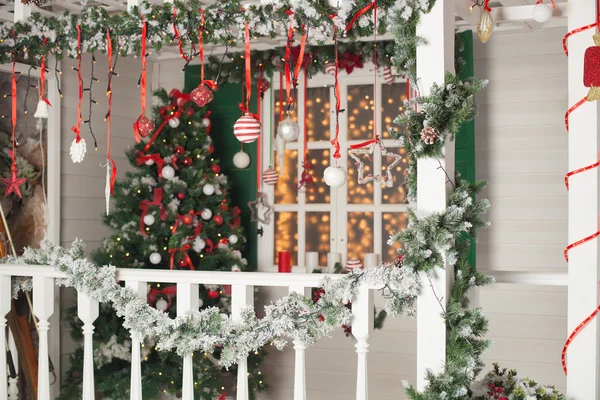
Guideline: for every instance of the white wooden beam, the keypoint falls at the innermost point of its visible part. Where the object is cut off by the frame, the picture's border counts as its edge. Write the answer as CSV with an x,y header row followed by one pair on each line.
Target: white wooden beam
x,y
584,207
465,11
434,58
22,11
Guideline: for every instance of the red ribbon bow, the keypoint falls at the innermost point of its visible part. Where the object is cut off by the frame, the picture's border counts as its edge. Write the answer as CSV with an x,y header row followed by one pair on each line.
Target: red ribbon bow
x,y
180,219
158,197
183,249
169,292
143,158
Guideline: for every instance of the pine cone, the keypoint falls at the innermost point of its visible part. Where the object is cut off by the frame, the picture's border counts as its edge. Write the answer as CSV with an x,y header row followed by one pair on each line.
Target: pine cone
x,y
429,135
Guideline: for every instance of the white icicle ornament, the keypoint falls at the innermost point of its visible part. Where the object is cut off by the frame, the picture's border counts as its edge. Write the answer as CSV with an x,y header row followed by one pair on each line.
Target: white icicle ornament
x,y
77,150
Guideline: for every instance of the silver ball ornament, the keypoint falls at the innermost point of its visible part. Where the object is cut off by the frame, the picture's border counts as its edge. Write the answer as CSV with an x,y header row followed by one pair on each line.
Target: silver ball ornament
x,y
288,129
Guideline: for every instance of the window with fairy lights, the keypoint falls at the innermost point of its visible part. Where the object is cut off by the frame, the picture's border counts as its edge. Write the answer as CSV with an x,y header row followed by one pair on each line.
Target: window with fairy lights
x,y
354,219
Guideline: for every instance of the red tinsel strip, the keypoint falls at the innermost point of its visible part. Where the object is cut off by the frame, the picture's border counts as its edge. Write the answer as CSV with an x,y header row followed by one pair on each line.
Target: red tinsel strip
x,y
572,336
113,176
77,129
336,141
583,28
577,171
570,110
579,242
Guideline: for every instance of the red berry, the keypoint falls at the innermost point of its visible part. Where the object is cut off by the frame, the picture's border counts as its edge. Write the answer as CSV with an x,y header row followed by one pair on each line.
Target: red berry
x,y
187,161
218,219
183,262
179,150
181,196
211,149
215,168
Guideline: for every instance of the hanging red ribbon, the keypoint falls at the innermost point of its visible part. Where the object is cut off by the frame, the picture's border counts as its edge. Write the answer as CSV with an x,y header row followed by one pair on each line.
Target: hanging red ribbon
x,y
210,83
364,144
142,159
360,13
336,141
178,37
305,111
77,129
183,249
43,76
13,92
157,202
486,6
113,169
136,130
167,113
289,79
245,108
541,1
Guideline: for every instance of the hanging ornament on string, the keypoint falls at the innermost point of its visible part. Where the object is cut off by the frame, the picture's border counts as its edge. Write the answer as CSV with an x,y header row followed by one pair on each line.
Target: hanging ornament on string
x,y
542,12
241,159
367,149
388,75
330,68
247,128
260,209
485,26
270,176
111,166
202,95
43,104
78,147
143,127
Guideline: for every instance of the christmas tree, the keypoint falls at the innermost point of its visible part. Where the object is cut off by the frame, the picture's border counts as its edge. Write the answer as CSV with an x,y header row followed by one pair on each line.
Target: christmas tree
x,y
172,213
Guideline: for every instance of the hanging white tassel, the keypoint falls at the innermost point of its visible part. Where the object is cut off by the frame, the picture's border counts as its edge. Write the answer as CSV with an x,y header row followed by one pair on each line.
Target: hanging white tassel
x,y
78,150
42,110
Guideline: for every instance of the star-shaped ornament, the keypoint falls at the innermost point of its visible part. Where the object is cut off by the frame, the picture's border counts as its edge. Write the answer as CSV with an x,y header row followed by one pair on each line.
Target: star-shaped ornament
x,y
260,209
13,183
367,150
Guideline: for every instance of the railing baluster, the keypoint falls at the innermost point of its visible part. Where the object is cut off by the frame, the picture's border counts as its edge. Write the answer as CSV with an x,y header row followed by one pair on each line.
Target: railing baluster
x,y
87,311
13,383
241,296
300,358
5,302
43,308
135,385
187,300
362,321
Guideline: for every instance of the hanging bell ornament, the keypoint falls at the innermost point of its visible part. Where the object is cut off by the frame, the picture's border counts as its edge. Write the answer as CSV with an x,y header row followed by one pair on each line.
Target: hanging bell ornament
x,y
288,129
42,110
485,26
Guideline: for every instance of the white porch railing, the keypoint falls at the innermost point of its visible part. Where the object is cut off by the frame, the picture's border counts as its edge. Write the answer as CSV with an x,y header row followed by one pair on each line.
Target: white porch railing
x,y
188,282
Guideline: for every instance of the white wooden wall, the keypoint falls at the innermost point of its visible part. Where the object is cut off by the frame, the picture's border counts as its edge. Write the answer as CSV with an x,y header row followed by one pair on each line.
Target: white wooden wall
x,y
521,149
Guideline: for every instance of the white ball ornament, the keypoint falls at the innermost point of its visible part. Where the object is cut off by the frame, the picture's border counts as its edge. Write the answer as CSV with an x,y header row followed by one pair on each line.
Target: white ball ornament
x,y
542,12
168,172
233,239
288,129
335,176
205,122
208,189
149,162
161,305
241,160
206,214
174,122
155,258
149,219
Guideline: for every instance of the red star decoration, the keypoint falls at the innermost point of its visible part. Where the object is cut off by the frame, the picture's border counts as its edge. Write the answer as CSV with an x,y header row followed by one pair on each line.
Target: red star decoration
x,y
13,183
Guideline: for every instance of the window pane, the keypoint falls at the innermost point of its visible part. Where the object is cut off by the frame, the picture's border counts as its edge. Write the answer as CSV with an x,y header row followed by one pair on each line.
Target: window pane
x,y
360,112
278,115
318,234
318,114
398,193
286,190
393,97
286,234
319,160
392,223
360,234
363,193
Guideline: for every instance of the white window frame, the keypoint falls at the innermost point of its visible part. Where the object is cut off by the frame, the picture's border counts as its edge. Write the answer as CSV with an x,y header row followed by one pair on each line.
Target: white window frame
x,y
338,208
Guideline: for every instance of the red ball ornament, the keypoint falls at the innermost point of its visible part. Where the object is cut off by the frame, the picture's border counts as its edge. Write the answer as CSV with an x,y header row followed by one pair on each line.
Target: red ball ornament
x,y
179,150
202,95
183,263
144,126
224,241
187,161
181,196
190,112
187,219
215,168
211,149
213,294
218,219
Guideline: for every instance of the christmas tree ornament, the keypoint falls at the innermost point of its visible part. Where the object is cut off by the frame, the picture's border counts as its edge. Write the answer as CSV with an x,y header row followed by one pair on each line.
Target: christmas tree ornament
x,y
223,244
218,219
542,12
211,149
42,110
144,126
206,122
161,305
179,150
330,68
215,168
388,75
353,264
168,172
270,176
155,258
288,129
78,150
233,239
206,214
174,122
366,149
149,219
247,129
241,160
335,176
187,219
307,181
198,245
429,135
187,161
260,209
183,263
12,183
591,70
235,268
181,195
149,162
213,294
485,26
190,112
263,85
208,189
202,95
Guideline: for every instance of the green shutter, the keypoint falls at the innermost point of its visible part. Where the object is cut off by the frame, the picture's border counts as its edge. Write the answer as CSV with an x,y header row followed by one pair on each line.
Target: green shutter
x,y
242,183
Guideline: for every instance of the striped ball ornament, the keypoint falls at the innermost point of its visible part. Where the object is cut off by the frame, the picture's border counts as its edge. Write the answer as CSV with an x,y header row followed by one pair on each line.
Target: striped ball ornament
x,y
270,177
388,75
353,263
247,129
330,68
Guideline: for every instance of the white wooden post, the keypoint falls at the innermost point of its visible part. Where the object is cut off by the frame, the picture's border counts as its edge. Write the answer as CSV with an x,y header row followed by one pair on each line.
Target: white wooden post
x,y
43,307
362,322
135,385
187,300
584,207
87,311
300,360
434,57
5,303
13,383
241,297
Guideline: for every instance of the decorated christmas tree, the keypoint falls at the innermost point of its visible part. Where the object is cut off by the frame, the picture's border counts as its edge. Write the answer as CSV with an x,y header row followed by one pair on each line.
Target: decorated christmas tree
x,y
171,213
